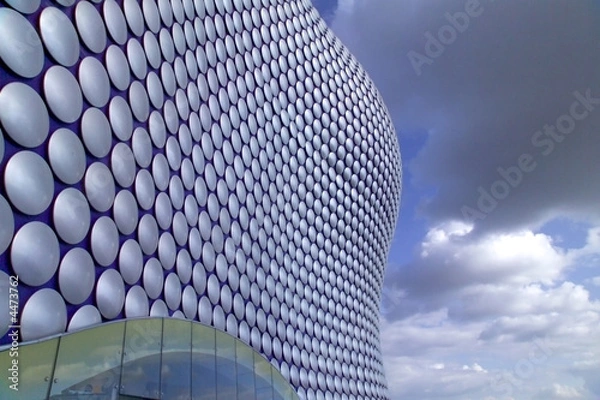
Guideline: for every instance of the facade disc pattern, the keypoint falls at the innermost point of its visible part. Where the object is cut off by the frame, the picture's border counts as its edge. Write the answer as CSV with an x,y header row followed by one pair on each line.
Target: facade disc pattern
x,y
224,161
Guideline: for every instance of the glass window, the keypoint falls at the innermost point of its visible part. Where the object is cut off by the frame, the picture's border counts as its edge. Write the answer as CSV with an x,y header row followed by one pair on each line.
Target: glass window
x,y
33,365
141,358
245,371
281,388
225,344
226,366
204,379
176,360
145,359
89,363
262,370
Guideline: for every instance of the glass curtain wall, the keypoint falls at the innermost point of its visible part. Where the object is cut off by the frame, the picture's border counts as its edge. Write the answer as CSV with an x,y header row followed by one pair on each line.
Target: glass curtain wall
x,y
156,358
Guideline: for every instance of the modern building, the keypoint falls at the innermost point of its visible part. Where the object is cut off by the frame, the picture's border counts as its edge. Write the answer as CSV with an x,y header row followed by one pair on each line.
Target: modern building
x,y
197,199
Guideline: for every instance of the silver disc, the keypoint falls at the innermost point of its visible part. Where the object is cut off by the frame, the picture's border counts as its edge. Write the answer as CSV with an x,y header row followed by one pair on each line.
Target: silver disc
x,y
29,182
76,275
20,48
125,211
131,261
90,26
71,216
44,314
63,94
105,241
7,224
99,187
35,253
136,303
115,21
94,82
84,317
24,6
117,67
110,294
23,114
67,156
59,36
122,165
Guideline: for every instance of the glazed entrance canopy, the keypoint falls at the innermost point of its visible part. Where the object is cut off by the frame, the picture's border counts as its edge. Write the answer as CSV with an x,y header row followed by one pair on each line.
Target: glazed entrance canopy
x,y
155,358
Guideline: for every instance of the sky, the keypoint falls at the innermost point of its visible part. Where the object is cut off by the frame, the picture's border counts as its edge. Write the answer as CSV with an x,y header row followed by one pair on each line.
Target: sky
x,y
493,288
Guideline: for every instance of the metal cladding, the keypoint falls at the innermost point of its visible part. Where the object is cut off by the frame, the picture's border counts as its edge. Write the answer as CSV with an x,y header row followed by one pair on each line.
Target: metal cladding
x,y
225,161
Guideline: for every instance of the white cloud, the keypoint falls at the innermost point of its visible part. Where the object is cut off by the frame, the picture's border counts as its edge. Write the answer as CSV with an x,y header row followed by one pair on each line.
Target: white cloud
x,y
490,304
557,391
416,379
489,267
595,281
426,358
474,367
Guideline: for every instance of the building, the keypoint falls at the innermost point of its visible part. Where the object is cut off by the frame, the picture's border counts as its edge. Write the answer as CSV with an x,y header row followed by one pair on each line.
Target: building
x,y
226,162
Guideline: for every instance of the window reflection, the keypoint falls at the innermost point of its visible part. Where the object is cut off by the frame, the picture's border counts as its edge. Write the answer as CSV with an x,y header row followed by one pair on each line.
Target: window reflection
x,y
226,367
281,388
146,359
204,372
245,372
36,365
89,363
262,371
176,365
141,359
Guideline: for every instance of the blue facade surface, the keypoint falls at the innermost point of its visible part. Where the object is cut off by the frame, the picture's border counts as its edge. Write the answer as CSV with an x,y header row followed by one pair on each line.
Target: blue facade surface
x,y
221,161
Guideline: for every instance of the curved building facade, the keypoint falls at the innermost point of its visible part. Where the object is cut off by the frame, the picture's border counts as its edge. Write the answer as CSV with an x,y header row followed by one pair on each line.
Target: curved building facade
x,y
227,162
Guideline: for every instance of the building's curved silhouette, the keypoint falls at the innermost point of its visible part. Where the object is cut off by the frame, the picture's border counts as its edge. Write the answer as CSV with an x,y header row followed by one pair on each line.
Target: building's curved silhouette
x,y
223,161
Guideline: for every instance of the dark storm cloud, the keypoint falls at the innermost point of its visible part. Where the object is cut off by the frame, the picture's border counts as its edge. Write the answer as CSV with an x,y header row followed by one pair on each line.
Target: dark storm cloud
x,y
515,68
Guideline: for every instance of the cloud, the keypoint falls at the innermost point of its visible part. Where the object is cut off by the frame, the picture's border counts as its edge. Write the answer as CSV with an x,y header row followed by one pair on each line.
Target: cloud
x,y
422,333
484,276
595,281
557,391
449,262
484,304
514,70
415,379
